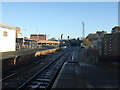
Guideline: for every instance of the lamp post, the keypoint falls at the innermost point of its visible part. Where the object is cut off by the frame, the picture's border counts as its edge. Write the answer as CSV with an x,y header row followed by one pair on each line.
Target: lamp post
x,y
37,38
68,37
61,36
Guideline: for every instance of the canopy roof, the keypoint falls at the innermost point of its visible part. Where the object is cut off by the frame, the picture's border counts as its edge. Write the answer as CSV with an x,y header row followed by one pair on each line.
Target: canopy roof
x,y
46,41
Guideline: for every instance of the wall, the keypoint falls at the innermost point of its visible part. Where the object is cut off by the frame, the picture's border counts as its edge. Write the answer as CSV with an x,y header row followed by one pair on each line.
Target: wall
x,y
8,63
111,45
7,43
18,35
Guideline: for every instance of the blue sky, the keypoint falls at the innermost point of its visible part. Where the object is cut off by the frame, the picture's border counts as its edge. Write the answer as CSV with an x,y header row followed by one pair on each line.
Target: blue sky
x,y
56,18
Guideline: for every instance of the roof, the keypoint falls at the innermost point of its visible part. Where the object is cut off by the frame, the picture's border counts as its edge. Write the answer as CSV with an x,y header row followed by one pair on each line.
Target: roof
x,y
116,27
46,41
7,26
26,39
93,36
37,35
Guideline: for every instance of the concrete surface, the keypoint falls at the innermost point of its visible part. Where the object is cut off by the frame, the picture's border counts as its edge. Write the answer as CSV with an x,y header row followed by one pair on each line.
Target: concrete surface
x,y
70,77
83,72
74,75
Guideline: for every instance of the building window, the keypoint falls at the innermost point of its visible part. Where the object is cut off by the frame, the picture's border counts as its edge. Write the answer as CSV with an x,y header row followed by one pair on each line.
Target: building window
x,y
5,34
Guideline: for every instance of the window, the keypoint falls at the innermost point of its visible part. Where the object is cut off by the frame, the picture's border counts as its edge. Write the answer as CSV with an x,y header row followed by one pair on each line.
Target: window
x,y
5,33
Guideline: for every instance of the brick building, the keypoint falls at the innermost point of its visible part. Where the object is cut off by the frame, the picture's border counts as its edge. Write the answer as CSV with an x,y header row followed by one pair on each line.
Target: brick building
x,y
111,43
106,45
38,37
18,34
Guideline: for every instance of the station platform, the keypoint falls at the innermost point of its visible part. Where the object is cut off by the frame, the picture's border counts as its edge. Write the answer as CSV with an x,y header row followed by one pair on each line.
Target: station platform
x,y
70,77
12,54
82,75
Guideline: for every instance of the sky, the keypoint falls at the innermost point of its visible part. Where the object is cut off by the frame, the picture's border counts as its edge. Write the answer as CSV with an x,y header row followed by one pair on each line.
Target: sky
x,y
56,18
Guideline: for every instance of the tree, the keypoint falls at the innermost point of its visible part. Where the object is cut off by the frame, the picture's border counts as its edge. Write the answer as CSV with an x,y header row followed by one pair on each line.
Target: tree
x,y
73,39
86,42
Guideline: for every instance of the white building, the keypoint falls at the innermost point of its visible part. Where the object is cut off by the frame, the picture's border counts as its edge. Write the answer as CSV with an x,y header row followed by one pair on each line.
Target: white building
x,y
7,38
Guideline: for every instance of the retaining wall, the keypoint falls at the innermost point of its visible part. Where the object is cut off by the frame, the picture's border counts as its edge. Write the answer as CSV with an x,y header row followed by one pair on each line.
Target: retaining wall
x,y
15,61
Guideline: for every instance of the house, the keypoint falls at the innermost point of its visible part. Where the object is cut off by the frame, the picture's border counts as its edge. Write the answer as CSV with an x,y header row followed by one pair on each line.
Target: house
x,y
96,40
115,29
93,38
7,37
111,43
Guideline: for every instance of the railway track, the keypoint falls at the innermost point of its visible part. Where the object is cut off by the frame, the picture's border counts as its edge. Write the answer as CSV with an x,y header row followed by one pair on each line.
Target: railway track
x,y
18,70
16,77
45,77
11,66
14,70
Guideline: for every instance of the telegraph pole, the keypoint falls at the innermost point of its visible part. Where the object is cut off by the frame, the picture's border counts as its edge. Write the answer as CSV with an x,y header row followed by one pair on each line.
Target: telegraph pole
x,y
37,34
37,37
83,29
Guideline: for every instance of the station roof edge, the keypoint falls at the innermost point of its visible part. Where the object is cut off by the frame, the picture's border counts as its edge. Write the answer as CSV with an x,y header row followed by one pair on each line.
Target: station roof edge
x,y
7,26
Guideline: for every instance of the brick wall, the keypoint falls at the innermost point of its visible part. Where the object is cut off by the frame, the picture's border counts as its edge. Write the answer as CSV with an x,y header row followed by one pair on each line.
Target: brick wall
x,y
38,37
111,45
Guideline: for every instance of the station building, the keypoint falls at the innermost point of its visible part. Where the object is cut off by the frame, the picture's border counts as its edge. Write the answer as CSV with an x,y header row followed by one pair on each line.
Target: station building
x,y
48,43
41,40
7,37
29,43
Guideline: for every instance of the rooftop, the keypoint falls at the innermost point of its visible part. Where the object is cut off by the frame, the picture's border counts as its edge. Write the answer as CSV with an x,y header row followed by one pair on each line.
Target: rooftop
x,y
92,36
7,26
116,27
